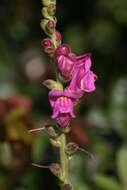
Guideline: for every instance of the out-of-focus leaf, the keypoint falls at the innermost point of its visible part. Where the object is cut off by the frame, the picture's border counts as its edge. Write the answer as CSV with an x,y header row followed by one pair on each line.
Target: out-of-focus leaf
x,y
75,36
118,107
106,183
116,8
81,186
4,182
5,154
103,36
30,180
77,172
16,126
103,153
122,164
98,118
39,146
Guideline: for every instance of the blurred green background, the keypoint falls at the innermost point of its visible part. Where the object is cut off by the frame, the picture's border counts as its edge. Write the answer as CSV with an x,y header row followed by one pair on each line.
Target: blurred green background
x,y
99,27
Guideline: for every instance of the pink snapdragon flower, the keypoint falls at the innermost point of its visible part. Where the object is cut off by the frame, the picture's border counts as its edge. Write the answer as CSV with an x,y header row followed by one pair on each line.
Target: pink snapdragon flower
x,y
65,60
62,103
83,79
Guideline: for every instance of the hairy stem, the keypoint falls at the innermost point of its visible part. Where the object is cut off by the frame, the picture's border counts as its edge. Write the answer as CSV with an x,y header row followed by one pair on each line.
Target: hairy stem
x,y
64,159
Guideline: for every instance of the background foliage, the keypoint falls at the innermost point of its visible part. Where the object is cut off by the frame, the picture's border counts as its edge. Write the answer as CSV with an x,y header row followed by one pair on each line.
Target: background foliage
x,y
99,27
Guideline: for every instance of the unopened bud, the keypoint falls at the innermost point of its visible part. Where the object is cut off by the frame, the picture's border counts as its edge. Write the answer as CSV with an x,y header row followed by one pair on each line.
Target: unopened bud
x,y
71,148
58,36
51,9
46,42
56,169
48,2
51,84
51,25
45,13
51,131
48,46
48,26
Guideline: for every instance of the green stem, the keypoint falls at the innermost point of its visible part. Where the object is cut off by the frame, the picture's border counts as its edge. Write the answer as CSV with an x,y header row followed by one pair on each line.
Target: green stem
x,y
64,160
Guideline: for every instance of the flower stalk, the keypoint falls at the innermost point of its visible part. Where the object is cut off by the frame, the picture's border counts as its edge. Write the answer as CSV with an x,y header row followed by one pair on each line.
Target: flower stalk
x,y
73,78
64,159
48,24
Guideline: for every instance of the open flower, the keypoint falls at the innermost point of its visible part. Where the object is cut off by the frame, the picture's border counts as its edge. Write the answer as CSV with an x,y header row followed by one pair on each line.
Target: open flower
x,y
62,103
65,60
83,79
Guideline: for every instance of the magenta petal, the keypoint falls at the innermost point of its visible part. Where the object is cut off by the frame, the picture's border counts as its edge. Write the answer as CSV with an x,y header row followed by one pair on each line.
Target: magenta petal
x,y
63,119
65,65
53,95
88,82
81,60
64,49
62,103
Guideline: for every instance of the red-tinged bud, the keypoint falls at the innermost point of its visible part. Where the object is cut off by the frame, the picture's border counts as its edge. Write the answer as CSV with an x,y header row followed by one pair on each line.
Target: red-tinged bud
x,y
71,148
48,26
51,25
56,169
58,36
47,42
48,46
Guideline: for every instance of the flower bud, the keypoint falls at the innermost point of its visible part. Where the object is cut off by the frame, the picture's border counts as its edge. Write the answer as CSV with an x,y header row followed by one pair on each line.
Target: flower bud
x,y
45,13
48,2
58,36
71,148
48,46
51,25
47,42
51,9
55,169
48,26
51,84
51,131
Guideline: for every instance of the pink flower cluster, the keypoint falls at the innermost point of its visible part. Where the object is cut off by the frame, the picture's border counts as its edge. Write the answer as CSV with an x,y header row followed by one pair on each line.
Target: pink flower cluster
x,y
77,71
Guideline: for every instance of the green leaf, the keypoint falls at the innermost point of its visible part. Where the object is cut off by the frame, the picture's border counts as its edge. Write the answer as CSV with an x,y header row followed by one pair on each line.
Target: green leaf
x,y
122,164
106,182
